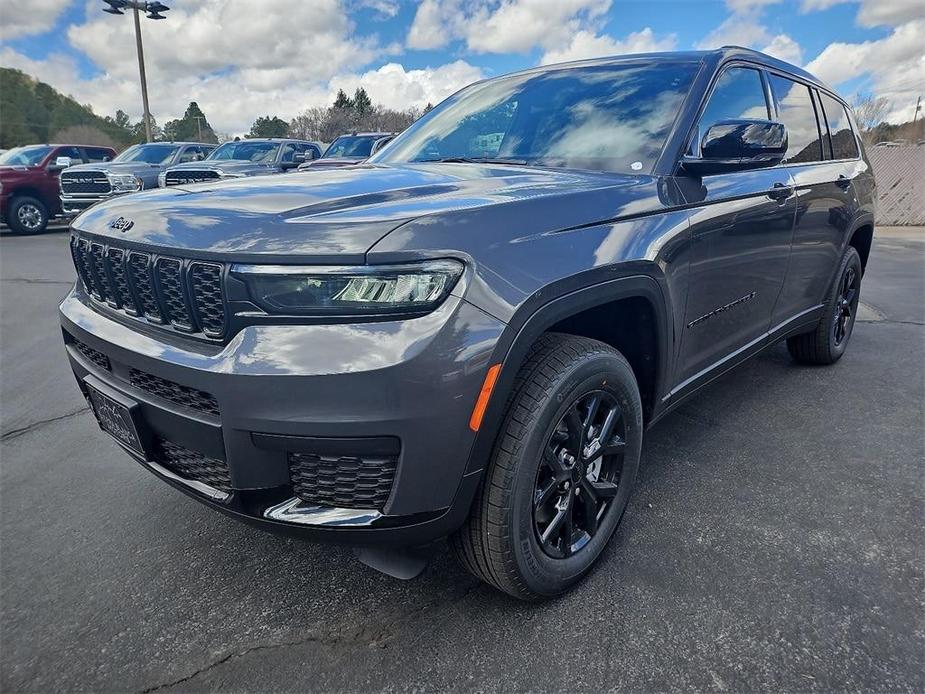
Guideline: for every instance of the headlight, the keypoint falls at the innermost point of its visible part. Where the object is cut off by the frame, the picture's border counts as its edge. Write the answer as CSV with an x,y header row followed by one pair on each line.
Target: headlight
x,y
162,179
124,182
362,290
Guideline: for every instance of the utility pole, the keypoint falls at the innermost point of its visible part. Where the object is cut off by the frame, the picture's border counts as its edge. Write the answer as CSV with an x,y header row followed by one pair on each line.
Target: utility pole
x,y
918,107
141,70
199,126
153,10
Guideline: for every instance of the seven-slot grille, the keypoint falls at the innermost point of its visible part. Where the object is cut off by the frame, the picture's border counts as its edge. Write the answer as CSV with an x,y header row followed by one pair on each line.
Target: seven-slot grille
x,y
185,295
84,183
185,176
342,481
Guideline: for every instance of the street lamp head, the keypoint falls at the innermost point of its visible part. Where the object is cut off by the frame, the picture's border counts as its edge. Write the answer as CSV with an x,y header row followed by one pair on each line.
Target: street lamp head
x,y
155,15
115,6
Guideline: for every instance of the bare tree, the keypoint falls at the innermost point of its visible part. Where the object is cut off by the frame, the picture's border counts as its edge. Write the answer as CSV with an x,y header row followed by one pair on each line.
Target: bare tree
x,y
870,112
326,124
85,135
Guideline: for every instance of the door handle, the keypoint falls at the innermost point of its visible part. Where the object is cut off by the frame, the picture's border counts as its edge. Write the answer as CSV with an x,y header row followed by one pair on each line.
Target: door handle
x,y
780,192
843,182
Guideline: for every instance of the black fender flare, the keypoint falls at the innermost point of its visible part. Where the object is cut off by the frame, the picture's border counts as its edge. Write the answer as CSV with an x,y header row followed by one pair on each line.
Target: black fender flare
x,y
521,333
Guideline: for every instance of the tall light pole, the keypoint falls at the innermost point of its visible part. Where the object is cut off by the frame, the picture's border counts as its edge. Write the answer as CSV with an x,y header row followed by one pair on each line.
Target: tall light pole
x,y
153,11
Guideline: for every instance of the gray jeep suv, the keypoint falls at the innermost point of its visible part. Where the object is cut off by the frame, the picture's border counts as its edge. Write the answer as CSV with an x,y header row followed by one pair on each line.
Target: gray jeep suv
x,y
137,168
255,157
468,335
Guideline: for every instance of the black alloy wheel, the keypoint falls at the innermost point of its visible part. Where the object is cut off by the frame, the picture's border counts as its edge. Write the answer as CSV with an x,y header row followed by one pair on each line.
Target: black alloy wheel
x,y
579,475
846,308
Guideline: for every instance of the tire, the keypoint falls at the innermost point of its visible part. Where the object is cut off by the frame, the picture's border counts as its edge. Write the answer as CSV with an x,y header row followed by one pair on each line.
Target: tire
x,y
502,541
827,342
27,215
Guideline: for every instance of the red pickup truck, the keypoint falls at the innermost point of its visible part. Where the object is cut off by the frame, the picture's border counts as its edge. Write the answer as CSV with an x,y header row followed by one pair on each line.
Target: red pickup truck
x,y
29,191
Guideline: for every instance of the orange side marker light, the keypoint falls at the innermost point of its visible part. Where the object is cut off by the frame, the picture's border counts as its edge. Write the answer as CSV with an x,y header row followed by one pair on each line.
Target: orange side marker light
x,y
481,404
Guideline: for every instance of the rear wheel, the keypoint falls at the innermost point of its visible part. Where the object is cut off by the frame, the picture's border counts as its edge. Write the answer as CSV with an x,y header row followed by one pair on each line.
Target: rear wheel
x,y
561,473
27,215
828,341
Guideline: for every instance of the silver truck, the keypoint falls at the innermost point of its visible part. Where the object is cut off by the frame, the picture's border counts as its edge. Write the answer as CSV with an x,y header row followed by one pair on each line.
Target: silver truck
x,y
137,168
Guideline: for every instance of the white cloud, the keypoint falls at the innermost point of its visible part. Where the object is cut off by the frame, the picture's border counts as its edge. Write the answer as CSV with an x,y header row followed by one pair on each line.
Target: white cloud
x,y
895,66
503,26
889,12
785,48
749,5
386,8
818,5
18,19
394,87
586,44
745,28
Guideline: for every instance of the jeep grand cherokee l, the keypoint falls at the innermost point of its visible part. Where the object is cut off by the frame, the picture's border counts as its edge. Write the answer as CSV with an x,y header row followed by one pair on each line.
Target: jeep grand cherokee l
x,y
29,190
243,158
137,168
467,336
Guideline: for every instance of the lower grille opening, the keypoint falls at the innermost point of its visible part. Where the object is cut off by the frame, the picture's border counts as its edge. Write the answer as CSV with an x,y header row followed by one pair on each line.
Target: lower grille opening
x,y
343,481
191,398
92,355
191,465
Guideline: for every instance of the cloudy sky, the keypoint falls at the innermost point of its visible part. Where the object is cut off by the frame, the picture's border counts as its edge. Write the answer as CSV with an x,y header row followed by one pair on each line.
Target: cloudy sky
x,y
244,58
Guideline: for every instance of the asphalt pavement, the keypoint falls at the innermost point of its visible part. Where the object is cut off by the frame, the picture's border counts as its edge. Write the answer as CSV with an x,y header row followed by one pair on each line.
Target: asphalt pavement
x,y
774,543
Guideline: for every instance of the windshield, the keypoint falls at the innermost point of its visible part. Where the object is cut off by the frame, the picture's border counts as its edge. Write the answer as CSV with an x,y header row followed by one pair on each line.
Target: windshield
x,y
263,152
24,156
351,146
151,154
605,117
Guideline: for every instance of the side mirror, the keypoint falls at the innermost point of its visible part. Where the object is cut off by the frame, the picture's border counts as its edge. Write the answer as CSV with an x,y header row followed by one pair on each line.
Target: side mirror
x,y
738,145
298,158
60,163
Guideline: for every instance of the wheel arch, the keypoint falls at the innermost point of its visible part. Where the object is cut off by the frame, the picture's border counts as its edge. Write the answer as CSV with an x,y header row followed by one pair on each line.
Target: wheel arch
x,y
29,192
862,239
564,314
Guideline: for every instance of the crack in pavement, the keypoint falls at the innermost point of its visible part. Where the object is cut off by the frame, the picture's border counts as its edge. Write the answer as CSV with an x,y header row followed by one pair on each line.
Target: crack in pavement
x,y
377,638
29,428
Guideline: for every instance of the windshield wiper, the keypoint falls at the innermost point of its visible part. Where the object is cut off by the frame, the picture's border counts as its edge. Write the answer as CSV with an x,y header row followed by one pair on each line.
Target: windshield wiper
x,y
472,160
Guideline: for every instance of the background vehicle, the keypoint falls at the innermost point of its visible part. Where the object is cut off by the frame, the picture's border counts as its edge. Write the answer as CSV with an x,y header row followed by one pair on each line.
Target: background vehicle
x,y
29,190
252,157
350,150
469,336
136,168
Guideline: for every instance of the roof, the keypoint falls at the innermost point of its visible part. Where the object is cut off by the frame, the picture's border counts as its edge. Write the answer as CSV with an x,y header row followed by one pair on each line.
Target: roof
x,y
713,57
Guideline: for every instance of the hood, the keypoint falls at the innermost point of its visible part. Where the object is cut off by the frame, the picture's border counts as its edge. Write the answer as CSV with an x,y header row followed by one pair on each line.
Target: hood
x,y
122,167
242,166
336,215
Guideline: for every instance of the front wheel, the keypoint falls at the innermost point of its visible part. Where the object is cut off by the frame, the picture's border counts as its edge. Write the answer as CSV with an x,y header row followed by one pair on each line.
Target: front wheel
x,y
561,473
829,339
27,215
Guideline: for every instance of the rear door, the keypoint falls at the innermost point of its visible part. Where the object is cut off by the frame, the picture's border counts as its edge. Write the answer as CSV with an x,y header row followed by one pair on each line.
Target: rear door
x,y
741,231
823,158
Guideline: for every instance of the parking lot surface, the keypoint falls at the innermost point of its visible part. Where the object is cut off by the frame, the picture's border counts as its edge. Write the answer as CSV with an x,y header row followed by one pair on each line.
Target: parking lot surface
x,y
774,542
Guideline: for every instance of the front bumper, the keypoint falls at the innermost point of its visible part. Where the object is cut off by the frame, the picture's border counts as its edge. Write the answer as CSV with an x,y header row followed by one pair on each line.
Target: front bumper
x,y
281,392
72,205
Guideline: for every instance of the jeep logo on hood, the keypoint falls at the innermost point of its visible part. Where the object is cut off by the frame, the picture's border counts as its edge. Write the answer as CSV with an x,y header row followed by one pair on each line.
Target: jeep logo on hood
x,y
121,224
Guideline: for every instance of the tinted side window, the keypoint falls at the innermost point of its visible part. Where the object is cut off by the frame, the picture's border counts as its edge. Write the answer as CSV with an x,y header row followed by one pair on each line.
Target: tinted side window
x,y
844,144
738,94
72,152
97,154
192,154
289,150
795,110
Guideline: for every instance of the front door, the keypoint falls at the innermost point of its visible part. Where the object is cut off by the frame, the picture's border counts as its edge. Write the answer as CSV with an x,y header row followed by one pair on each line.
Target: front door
x,y
741,232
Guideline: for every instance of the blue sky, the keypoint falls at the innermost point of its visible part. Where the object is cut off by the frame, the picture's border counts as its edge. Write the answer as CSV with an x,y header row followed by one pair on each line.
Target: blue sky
x,y
244,58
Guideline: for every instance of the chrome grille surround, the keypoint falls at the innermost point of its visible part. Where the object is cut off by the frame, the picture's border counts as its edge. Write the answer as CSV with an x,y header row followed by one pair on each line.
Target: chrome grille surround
x,y
93,183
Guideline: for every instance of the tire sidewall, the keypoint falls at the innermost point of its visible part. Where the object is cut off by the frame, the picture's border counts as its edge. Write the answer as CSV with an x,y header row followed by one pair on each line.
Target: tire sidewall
x,y
13,216
543,574
850,259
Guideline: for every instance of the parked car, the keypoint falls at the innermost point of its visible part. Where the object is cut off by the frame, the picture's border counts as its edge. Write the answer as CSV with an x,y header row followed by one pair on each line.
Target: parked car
x,y
469,335
256,157
137,168
349,150
29,191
